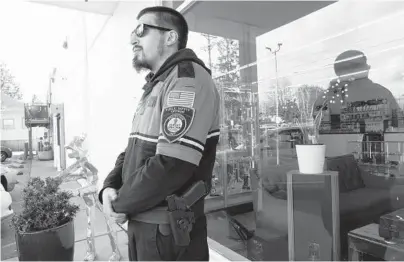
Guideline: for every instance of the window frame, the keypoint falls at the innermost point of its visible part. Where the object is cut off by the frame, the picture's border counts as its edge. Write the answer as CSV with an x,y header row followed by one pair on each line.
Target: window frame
x,y
4,126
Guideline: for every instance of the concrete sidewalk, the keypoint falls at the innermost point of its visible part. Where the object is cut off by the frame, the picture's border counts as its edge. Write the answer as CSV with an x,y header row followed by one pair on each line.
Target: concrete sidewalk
x,y
103,248
45,169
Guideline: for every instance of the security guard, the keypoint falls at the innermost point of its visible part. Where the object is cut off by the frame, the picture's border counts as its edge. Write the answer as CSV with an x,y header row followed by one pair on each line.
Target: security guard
x,y
173,141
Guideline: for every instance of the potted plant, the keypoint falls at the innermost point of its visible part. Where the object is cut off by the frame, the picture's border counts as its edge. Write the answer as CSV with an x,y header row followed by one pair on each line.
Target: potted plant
x,y
45,152
44,229
310,153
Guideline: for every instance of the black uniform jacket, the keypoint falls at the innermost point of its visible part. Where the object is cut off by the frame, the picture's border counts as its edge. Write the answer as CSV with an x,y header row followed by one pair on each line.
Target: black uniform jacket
x,y
174,135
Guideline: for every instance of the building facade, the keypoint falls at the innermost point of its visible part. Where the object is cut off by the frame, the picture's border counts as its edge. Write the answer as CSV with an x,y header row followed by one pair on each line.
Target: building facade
x,y
14,132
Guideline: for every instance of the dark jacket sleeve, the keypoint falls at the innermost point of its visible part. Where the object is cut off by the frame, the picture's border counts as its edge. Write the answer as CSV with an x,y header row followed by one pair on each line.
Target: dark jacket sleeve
x,y
158,178
114,178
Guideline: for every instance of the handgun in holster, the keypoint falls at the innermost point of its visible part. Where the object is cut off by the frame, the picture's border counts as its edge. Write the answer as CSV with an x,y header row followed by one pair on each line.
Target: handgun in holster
x,y
180,215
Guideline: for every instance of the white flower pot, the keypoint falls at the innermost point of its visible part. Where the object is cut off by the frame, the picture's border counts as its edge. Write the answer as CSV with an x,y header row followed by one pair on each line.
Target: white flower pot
x,y
311,158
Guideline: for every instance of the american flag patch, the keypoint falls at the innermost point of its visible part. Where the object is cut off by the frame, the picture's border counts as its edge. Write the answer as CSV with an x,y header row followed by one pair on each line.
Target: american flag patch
x,y
181,98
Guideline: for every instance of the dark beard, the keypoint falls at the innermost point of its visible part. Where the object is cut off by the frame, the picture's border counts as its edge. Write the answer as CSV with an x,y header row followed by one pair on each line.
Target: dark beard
x,y
140,65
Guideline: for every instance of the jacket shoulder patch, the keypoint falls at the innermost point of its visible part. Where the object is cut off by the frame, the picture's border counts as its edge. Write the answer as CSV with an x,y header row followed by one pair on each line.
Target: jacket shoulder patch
x,y
186,69
176,122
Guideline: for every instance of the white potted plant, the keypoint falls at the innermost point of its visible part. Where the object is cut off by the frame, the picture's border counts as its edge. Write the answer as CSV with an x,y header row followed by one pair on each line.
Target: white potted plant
x,y
310,153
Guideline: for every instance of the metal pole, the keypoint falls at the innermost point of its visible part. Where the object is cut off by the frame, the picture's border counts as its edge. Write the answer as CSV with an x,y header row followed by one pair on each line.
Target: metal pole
x,y
276,100
31,155
277,110
86,90
224,159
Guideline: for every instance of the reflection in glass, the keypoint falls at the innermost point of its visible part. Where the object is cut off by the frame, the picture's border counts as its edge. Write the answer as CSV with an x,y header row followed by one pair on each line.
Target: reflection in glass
x,y
356,64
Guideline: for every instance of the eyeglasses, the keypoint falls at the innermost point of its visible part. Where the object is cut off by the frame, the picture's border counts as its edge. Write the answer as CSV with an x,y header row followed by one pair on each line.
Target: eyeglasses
x,y
140,30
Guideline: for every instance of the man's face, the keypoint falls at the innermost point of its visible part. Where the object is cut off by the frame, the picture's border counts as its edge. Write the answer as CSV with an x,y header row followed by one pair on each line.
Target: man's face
x,y
148,48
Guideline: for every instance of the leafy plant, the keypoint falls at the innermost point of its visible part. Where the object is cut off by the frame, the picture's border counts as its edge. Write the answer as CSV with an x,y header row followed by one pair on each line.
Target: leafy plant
x,y
8,84
45,206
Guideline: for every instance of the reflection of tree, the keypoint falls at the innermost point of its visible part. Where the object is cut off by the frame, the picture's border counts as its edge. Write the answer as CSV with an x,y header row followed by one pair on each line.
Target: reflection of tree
x,y
285,92
228,83
306,97
287,110
228,60
287,107
8,84
225,64
209,47
235,100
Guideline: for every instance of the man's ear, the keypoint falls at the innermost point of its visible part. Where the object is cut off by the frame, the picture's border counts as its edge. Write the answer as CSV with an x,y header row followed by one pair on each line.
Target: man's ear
x,y
172,38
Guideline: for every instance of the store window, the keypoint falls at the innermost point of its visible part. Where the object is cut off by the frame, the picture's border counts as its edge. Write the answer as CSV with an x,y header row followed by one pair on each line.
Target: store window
x,y
231,170
343,62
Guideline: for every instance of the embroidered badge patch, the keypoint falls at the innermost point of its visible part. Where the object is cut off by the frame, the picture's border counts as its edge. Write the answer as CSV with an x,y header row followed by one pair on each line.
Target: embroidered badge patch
x,y
181,98
176,121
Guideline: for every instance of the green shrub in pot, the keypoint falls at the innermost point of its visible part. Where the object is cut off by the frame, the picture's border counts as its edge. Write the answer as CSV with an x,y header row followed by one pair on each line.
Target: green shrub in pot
x,y
45,226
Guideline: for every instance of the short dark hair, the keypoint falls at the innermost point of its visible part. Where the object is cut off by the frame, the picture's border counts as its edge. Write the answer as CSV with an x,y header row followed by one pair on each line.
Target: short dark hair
x,y
171,17
350,60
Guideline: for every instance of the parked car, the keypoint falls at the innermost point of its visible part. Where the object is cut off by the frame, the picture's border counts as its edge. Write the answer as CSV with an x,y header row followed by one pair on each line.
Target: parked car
x,y
8,181
9,177
6,200
5,153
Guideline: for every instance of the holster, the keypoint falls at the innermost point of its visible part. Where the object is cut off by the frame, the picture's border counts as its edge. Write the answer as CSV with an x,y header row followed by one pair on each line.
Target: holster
x,y
181,223
180,215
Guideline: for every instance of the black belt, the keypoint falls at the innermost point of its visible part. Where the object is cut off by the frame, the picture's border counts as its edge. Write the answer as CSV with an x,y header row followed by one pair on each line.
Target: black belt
x,y
159,215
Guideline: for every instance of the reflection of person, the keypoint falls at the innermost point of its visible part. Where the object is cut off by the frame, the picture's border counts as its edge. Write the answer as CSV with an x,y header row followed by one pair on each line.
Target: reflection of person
x,y
41,145
173,142
354,86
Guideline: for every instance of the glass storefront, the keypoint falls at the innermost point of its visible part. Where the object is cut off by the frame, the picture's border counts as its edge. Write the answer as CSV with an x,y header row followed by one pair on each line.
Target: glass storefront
x,y
344,60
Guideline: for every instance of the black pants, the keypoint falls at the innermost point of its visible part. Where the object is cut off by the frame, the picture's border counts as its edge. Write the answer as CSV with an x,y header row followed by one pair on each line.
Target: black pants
x,y
151,242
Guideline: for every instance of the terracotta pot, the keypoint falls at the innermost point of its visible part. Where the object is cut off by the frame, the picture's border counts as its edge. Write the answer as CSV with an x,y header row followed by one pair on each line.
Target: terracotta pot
x,y
56,244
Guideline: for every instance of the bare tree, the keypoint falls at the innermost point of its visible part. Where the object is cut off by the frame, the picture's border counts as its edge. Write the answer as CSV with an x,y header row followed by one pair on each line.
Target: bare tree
x,y
287,107
209,47
306,99
8,84
228,61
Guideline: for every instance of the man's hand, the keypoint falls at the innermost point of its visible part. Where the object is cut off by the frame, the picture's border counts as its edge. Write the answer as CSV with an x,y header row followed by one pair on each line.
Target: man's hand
x,y
119,217
108,196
